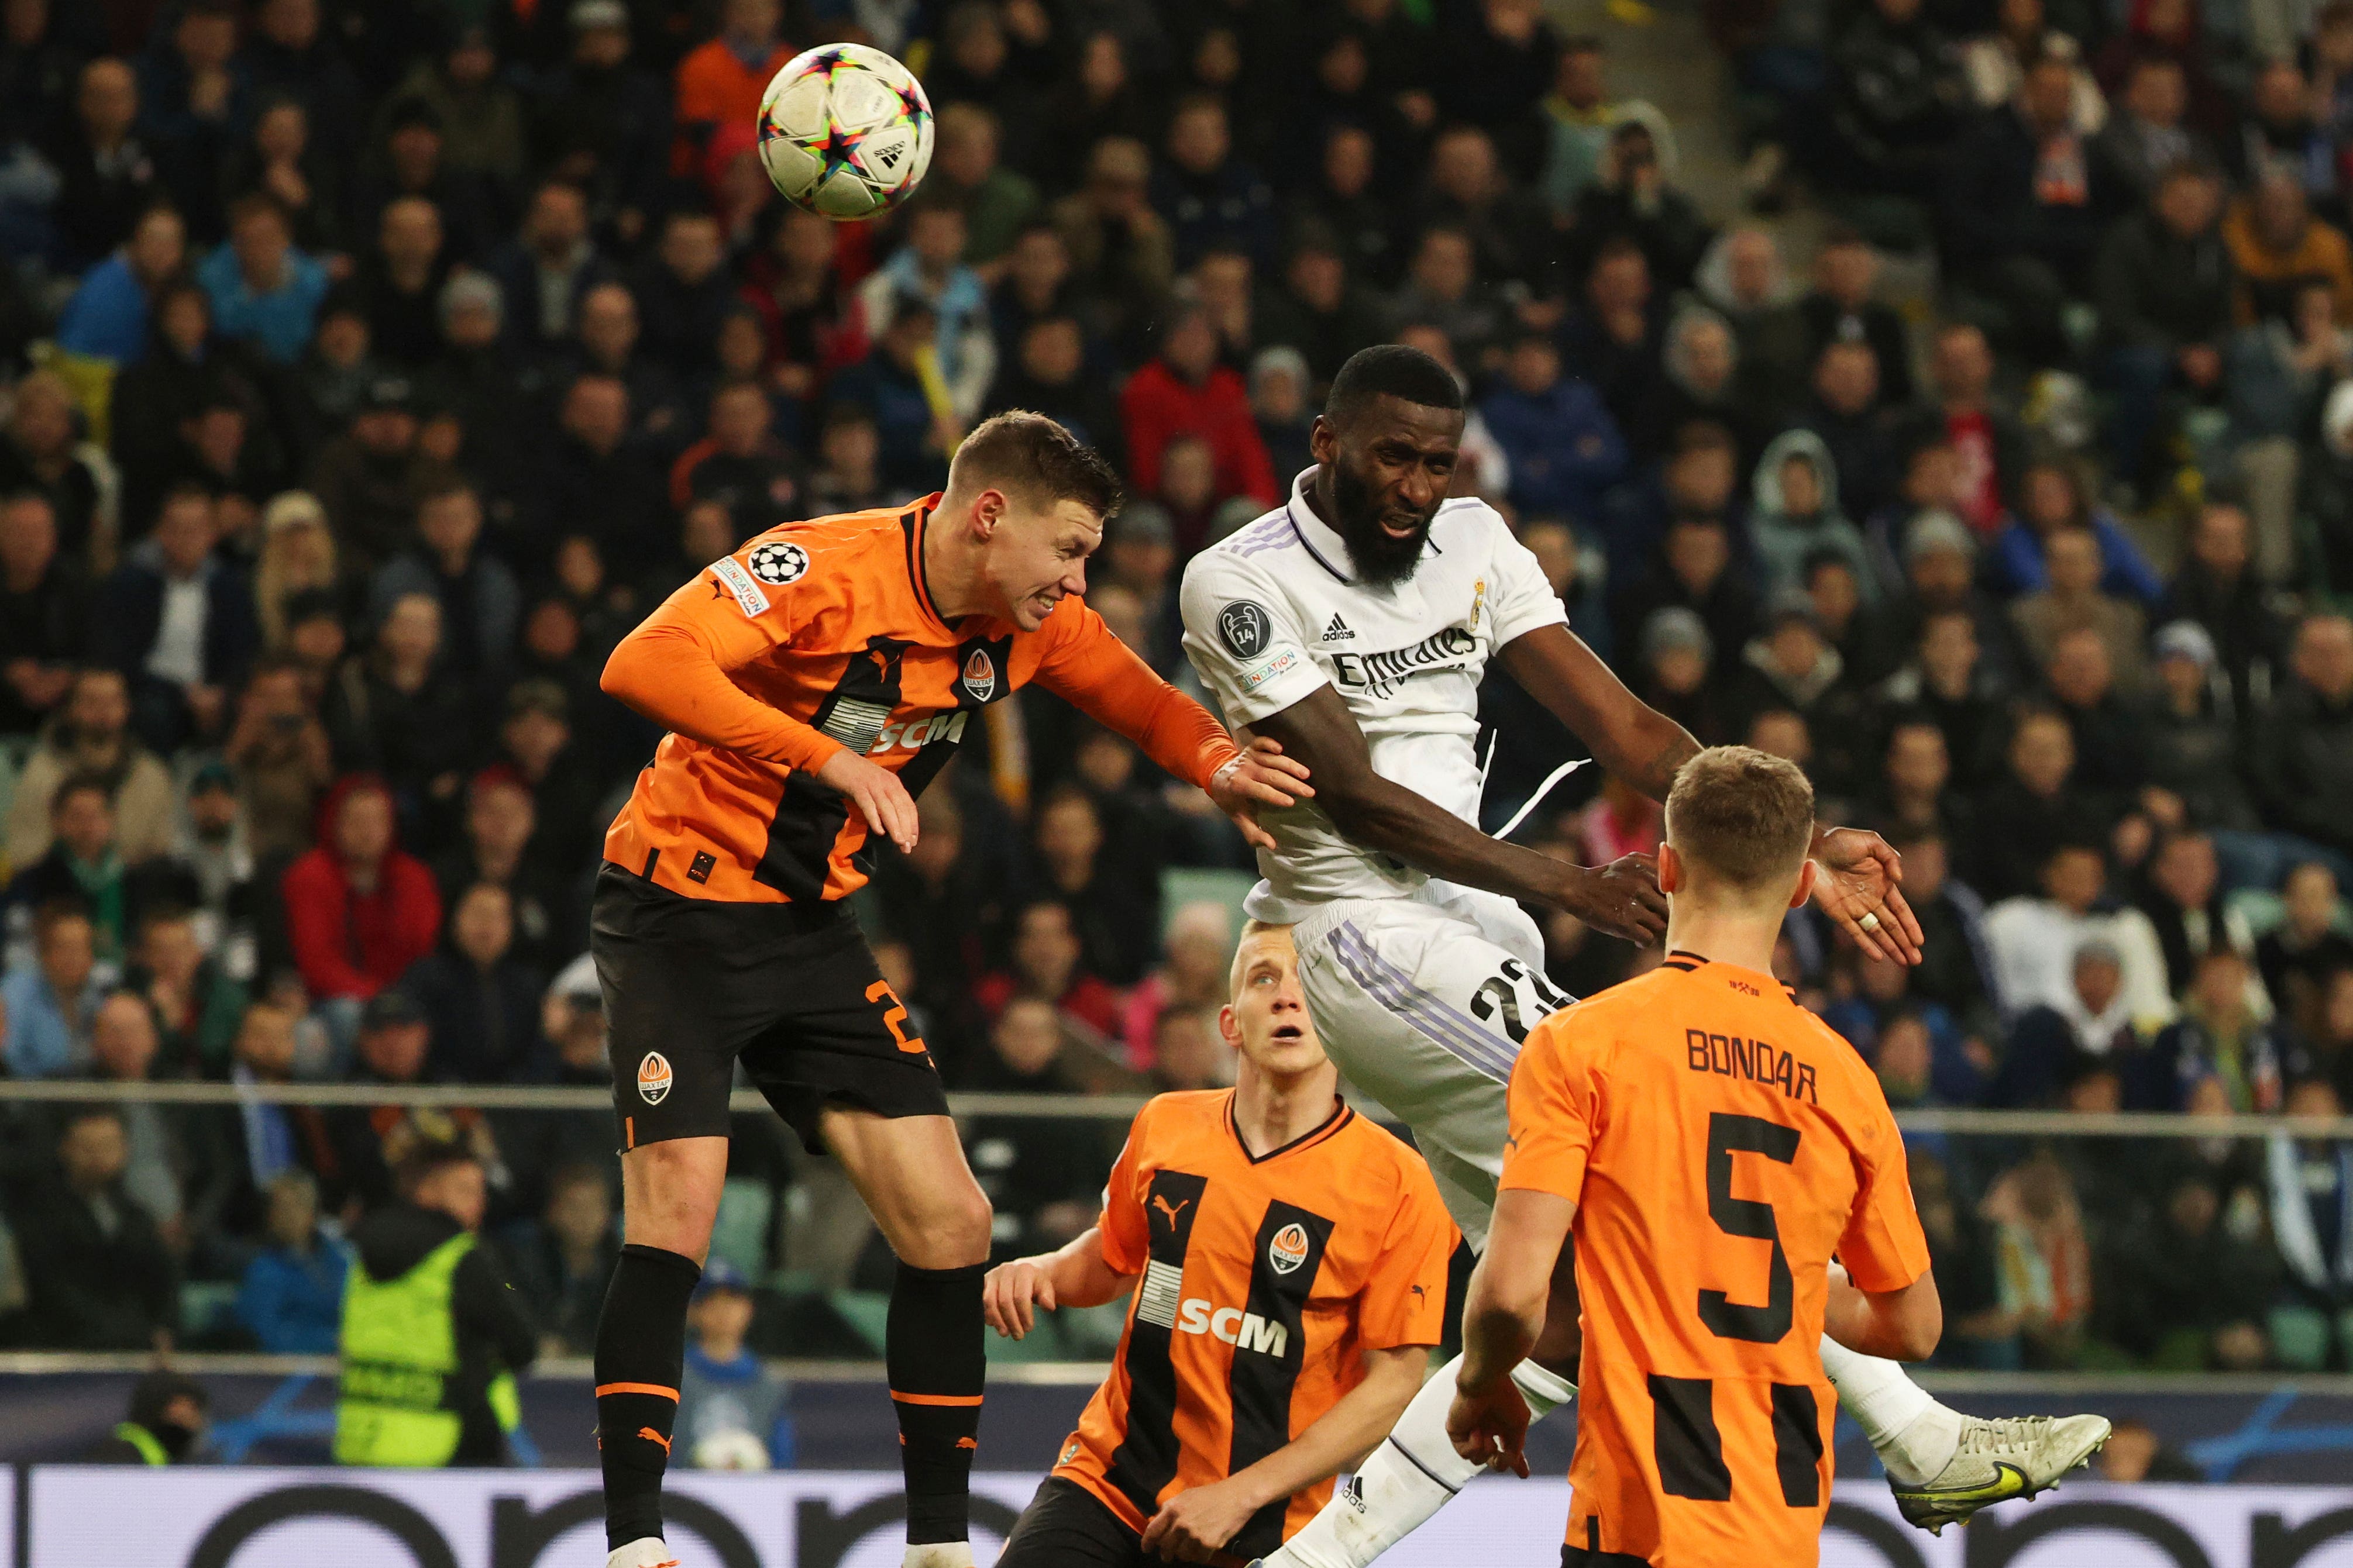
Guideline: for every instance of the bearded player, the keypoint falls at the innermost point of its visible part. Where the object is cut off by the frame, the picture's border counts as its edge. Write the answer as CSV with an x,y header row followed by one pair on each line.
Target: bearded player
x,y
1352,626
813,683
1285,1264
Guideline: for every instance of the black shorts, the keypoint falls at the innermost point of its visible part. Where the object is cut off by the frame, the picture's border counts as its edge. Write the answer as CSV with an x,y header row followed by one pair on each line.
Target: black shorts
x,y
693,985
1067,1526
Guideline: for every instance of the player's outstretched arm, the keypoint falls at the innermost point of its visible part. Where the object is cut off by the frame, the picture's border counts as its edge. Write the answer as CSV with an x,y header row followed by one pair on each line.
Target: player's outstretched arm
x,y
1899,1325
1644,747
1097,673
1621,898
1502,1316
1191,1526
1075,1274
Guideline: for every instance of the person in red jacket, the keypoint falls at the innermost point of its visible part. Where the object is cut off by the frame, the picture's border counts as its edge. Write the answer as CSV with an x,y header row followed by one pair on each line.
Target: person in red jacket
x,y
1185,392
358,911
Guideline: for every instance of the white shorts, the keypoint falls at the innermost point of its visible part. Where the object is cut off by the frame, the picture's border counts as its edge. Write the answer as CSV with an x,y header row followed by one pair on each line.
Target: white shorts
x,y
1424,1003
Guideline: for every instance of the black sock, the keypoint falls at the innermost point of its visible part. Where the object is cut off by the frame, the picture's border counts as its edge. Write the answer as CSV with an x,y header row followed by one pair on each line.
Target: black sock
x,y
933,1350
640,1355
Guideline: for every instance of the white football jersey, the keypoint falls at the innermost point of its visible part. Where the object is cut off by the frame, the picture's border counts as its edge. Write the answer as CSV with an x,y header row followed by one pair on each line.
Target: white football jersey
x,y
1272,612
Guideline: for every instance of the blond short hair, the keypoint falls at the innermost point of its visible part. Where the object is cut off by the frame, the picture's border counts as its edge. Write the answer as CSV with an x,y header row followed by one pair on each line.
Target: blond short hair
x,y
1741,817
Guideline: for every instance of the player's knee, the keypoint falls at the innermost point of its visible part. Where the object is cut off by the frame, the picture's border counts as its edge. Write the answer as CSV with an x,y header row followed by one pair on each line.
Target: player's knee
x,y
953,1231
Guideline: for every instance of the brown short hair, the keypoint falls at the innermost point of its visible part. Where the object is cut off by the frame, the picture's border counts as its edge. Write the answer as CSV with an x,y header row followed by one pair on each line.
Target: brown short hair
x,y
1740,815
1028,452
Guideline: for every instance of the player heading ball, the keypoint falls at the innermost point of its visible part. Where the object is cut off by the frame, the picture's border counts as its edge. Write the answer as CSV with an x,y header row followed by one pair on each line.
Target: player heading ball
x,y
813,683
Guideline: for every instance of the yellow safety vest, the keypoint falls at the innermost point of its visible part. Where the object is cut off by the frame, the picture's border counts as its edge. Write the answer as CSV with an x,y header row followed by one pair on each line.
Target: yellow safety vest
x,y
399,1350
150,1451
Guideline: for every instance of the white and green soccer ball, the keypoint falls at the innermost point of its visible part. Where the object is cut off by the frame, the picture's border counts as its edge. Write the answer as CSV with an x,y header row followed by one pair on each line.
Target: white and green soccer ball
x,y
845,132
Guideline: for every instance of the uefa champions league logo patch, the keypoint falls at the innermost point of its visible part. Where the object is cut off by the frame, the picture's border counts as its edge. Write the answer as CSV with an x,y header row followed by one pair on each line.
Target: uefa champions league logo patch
x,y
778,564
1245,628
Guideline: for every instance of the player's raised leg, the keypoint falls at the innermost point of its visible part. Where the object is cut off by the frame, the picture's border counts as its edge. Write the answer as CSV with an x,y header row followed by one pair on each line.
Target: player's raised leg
x,y
910,1170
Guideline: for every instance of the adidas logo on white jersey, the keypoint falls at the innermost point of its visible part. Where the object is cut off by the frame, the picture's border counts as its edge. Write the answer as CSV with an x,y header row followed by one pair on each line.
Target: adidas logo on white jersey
x,y
1338,631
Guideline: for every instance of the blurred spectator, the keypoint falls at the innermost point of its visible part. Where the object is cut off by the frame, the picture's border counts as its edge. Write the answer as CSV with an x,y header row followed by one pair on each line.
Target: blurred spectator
x,y
931,267
165,1423
401,711
1896,99
2024,200
107,174
2298,956
90,733
2303,759
44,614
720,82
1184,391
2310,1183
2163,284
99,1277
1047,957
1795,518
280,759
741,463
731,1407
1633,197
107,318
197,1006
998,202
1564,446
562,1258
481,1001
291,1298
480,604
2146,134
1117,912
1207,195
2183,900
2037,947
262,287
358,911
1123,251
1279,388
1981,1329
2072,603
371,478
1843,306
2276,244
47,1007
2218,1035
85,867
180,627
2152,1311
43,452
2220,588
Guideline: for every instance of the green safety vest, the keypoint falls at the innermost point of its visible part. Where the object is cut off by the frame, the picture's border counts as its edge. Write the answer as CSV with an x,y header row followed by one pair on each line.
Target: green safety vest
x,y
150,1452
399,1350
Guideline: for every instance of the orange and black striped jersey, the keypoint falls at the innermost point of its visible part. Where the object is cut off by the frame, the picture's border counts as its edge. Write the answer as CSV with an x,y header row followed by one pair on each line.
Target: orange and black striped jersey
x,y
820,635
1264,1281
1721,1144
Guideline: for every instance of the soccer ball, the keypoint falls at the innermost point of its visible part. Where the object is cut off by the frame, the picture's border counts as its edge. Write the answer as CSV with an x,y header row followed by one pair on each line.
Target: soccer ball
x,y
845,132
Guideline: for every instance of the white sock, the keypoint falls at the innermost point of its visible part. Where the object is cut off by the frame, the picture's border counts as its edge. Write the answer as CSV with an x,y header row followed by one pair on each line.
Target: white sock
x,y
939,1554
1413,1474
1892,1412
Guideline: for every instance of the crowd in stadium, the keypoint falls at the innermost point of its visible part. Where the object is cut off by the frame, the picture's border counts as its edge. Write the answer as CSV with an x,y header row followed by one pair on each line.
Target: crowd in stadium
x,y
369,369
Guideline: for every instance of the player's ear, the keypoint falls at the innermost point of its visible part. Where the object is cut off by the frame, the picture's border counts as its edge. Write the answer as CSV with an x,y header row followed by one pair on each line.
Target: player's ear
x,y
1805,889
1321,439
1671,869
1230,1029
987,512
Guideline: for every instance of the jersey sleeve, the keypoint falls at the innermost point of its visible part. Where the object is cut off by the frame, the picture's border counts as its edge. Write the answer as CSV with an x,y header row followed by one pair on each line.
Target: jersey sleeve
x,y
675,667
1404,1298
1552,1109
1244,640
1124,1226
1085,663
1883,1247
1519,595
